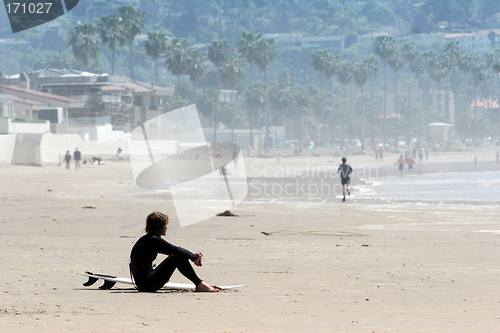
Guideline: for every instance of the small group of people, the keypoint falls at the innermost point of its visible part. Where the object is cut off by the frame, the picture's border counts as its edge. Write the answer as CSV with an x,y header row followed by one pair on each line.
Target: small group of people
x,y
402,161
77,156
379,153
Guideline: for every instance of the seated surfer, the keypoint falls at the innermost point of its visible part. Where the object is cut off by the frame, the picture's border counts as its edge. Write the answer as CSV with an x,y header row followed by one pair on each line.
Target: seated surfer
x,y
147,248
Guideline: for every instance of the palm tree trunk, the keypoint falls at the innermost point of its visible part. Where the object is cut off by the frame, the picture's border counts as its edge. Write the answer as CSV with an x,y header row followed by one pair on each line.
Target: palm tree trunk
x,y
215,116
267,113
350,115
250,114
385,101
131,60
322,111
362,119
331,104
343,120
113,65
409,107
156,71
371,112
397,113
474,123
232,112
419,113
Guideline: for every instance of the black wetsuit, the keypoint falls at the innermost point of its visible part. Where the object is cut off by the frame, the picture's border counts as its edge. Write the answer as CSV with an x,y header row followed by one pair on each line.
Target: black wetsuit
x,y
144,253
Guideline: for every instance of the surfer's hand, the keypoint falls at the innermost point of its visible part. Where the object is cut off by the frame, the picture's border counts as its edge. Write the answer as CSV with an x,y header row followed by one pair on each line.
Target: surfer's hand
x,y
197,262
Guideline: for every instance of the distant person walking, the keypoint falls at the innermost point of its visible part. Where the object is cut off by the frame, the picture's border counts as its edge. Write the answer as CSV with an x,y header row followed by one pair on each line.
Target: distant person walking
x,y
67,158
381,154
376,154
420,154
400,163
77,155
410,161
426,150
345,173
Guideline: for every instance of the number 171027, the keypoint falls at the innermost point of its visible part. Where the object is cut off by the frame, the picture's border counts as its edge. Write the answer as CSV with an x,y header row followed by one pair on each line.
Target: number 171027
x,y
31,8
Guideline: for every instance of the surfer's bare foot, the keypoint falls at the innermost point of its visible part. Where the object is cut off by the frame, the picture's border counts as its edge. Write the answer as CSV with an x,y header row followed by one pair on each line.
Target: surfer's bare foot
x,y
205,287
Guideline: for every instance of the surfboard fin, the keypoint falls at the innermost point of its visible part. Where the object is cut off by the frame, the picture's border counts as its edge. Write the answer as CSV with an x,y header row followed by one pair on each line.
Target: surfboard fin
x,y
90,282
107,285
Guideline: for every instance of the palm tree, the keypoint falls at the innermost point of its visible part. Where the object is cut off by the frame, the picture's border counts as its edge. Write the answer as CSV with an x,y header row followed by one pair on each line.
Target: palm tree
x,y
265,54
207,102
344,76
372,65
496,68
396,63
247,48
329,72
112,31
320,63
179,58
479,74
133,21
254,95
84,42
465,66
418,69
218,52
233,72
410,54
196,68
156,46
361,76
385,46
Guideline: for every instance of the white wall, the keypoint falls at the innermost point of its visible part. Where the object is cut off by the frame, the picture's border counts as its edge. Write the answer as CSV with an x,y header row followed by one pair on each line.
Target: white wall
x,y
7,145
100,133
7,127
54,146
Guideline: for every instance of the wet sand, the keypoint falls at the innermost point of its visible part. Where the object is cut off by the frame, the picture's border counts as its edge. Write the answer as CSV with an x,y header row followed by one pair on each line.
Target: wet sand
x,y
319,265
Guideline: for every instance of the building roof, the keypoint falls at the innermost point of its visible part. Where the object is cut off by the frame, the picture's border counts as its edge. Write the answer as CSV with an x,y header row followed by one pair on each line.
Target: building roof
x,y
143,88
29,102
36,93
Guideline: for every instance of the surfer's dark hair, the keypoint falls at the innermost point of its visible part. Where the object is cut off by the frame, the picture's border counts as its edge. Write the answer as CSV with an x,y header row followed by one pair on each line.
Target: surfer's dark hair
x,y
344,159
155,222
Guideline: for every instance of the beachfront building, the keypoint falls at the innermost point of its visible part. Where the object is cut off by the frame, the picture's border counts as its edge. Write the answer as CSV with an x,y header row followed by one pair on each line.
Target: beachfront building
x,y
473,42
28,102
117,100
321,42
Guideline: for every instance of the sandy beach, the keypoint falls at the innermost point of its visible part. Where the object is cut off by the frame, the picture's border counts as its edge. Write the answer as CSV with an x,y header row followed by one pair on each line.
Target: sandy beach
x,y
307,266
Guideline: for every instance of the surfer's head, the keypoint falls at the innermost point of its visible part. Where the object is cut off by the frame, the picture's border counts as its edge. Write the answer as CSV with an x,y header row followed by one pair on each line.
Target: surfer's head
x,y
344,159
156,223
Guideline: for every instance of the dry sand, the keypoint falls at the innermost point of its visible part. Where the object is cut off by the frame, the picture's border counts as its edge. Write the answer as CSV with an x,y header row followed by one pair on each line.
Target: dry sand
x,y
408,265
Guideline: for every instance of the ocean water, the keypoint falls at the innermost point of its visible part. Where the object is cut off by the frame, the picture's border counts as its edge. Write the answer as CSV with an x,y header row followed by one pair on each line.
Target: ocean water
x,y
479,188
462,188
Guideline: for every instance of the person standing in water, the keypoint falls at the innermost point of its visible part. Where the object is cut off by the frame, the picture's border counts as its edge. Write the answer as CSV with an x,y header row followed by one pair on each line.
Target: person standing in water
x,y
401,164
145,250
345,173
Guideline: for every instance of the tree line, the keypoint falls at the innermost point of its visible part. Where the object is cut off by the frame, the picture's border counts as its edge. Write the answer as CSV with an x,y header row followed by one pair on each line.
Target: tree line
x,y
306,111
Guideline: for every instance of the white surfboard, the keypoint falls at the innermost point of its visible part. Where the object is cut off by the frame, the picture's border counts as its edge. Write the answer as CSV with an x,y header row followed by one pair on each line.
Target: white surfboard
x,y
110,281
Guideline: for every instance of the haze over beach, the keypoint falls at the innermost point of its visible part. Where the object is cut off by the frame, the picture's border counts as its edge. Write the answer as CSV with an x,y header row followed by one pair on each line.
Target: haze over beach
x,y
303,262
